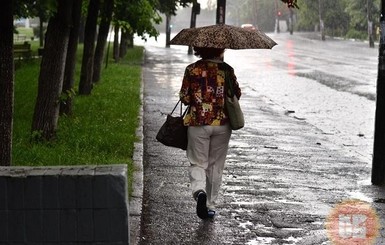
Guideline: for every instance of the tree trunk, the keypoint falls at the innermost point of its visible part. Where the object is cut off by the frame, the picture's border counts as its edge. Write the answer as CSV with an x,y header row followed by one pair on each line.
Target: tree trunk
x,y
221,12
193,21
168,30
81,30
69,72
52,66
370,23
378,170
131,40
321,22
116,43
291,21
6,82
41,32
85,84
104,28
124,39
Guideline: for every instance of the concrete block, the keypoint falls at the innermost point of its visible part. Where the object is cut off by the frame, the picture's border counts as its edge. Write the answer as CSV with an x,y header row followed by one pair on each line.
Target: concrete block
x,y
119,229
3,193
117,193
50,189
67,206
68,225
110,191
85,225
84,192
15,188
100,191
102,222
34,225
16,226
67,192
3,226
51,225
33,192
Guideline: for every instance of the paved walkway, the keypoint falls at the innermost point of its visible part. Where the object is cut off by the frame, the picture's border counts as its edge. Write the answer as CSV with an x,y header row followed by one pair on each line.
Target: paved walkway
x,y
283,179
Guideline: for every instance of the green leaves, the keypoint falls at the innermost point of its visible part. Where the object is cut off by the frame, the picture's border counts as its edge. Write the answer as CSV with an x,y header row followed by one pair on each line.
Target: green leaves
x,y
291,3
170,6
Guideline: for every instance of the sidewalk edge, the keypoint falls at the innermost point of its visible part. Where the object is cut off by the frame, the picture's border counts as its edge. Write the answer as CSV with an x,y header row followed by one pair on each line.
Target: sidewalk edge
x,y
135,203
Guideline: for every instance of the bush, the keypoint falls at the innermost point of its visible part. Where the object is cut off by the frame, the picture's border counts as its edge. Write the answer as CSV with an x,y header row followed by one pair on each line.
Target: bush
x,y
354,34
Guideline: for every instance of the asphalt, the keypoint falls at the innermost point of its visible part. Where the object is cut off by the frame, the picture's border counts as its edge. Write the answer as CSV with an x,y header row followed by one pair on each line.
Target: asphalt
x,y
284,180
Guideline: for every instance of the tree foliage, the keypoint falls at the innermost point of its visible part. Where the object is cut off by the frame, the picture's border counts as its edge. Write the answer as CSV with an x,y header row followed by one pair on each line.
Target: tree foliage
x,y
169,7
342,18
137,16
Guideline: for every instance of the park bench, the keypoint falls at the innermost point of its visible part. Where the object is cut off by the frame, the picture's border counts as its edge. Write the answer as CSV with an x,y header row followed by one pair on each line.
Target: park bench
x,y
22,50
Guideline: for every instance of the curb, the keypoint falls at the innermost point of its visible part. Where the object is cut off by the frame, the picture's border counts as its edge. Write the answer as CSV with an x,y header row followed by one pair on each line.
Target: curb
x,y
135,203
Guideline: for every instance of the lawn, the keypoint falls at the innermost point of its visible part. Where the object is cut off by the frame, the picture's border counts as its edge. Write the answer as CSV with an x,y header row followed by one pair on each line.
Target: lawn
x,y
102,127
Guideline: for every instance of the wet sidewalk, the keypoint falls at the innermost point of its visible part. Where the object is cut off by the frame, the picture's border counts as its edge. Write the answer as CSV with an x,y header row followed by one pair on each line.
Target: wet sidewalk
x,y
283,179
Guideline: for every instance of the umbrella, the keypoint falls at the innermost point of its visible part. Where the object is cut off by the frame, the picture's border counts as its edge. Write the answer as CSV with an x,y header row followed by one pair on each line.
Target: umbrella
x,y
223,36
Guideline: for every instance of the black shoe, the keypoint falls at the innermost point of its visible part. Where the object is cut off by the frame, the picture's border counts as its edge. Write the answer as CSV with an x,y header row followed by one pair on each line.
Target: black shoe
x,y
201,205
210,213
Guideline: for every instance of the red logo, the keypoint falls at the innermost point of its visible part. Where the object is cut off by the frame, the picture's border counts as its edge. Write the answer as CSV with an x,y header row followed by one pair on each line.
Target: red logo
x,y
353,222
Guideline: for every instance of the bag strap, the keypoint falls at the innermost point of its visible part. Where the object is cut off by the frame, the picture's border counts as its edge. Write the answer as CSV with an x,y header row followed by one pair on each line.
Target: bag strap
x,y
228,82
181,109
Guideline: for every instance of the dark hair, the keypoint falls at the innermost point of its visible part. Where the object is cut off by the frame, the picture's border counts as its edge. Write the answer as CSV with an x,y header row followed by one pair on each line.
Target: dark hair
x,y
208,53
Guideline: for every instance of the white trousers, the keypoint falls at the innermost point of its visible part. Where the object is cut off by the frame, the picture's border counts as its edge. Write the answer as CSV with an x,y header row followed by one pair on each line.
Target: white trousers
x,y
206,150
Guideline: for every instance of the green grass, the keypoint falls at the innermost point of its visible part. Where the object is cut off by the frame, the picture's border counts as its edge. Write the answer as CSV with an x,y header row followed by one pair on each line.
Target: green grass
x,y
27,33
102,127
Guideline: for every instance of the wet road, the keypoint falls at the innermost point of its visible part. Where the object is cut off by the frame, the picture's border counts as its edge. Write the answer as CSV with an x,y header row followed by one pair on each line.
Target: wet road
x,y
305,147
331,85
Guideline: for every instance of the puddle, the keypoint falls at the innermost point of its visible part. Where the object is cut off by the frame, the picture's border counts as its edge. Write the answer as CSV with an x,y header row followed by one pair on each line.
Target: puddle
x,y
360,196
261,240
293,240
243,225
318,223
244,203
292,229
289,202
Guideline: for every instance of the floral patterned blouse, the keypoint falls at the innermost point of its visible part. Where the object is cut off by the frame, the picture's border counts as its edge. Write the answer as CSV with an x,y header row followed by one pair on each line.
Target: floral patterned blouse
x,y
203,89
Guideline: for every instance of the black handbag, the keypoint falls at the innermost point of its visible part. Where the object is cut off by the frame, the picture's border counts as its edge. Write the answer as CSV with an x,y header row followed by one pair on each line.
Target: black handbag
x,y
173,132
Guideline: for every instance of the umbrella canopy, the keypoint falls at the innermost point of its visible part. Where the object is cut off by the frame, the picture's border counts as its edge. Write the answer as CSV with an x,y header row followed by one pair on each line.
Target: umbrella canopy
x,y
223,36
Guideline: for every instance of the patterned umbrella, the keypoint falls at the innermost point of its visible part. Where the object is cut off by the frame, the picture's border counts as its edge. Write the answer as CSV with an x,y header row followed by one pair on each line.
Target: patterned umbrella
x,y
223,36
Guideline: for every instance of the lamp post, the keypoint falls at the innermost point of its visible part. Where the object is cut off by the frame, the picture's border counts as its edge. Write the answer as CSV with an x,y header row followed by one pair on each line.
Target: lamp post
x,y
378,164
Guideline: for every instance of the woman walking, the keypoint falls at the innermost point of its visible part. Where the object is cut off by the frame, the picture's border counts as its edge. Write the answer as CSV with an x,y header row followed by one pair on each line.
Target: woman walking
x,y
203,89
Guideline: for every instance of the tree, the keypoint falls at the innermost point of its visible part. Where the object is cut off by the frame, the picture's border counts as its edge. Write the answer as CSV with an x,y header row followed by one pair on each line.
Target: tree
x,y
70,64
378,170
6,82
134,17
169,8
86,72
52,66
104,27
